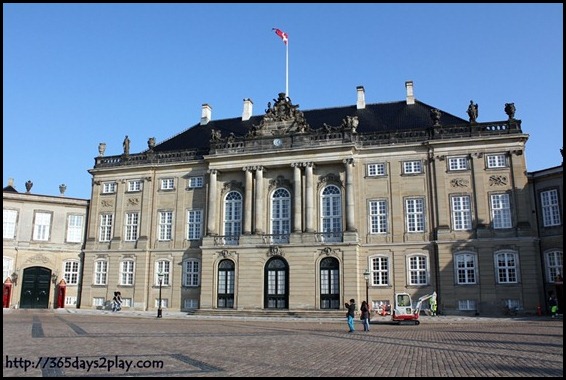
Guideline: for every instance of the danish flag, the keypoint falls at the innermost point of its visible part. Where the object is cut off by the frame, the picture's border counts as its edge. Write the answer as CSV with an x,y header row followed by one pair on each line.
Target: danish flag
x,y
282,34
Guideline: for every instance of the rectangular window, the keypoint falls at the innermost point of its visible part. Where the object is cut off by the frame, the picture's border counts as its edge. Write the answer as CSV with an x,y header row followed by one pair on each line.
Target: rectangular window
x,y
75,228
164,303
71,272
167,184
458,163
162,267
134,185
496,161
105,227
377,217
41,226
554,265
412,167
100,272
71,301
165,225
379,271
550,208
506,268
127,272
418,270
132,220
467,305
465,268
376,170
126,302
10,217
196,182
194,224
414,212
98,301
501,211
192,273
190,303
109,187
461,213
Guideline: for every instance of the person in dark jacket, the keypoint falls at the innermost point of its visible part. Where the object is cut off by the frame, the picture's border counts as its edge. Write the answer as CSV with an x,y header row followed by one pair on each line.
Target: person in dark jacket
x,y
364,309
351,314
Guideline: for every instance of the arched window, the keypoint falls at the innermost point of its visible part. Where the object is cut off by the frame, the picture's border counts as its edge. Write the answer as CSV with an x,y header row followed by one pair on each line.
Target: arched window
x,y
233,217
331,214
280,216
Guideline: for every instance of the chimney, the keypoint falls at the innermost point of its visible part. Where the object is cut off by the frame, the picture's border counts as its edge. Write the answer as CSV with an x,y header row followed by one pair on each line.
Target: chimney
x,y
361,103
410,96
206,114
11,182
248,105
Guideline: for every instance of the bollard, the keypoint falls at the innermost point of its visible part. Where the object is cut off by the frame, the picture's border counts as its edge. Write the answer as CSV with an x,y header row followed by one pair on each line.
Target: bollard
x,y
539,310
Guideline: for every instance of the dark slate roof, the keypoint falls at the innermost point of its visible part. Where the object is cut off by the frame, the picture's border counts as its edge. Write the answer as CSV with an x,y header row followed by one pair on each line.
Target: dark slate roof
x,y
9,189
380,117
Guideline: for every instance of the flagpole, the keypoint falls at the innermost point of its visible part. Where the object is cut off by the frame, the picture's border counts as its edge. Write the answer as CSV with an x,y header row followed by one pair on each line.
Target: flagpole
x,y
287,68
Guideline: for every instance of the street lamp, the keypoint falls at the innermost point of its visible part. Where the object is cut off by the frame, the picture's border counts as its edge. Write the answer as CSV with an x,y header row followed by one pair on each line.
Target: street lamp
x,y
366,276
160,277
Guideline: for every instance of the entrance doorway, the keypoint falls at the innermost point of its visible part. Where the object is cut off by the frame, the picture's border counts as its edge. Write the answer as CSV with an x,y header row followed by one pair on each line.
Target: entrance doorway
x,y
36,285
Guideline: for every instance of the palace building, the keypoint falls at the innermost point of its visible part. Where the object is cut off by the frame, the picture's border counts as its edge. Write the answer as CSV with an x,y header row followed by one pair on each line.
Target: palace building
x,y
301,210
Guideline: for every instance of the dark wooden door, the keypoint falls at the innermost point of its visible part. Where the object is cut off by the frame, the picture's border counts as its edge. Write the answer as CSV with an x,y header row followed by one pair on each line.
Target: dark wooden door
x,y
36,286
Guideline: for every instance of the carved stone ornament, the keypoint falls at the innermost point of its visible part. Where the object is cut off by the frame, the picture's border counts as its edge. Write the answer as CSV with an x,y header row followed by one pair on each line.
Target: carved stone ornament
x,y
326,251
281,118
106,203
275,250
459,182
133,201
226,253
497,180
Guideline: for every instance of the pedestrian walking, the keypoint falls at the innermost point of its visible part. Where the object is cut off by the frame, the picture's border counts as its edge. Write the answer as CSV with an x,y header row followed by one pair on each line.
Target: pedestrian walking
x,y
117,302
365,315
351,307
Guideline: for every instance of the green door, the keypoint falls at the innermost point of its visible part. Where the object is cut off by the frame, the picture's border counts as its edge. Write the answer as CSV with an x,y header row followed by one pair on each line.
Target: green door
x,y
35,288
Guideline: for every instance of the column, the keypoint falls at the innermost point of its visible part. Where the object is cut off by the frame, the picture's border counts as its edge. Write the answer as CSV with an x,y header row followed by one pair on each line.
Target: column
x,y
248,201
350,223
297,188
259,200
309,197
212,203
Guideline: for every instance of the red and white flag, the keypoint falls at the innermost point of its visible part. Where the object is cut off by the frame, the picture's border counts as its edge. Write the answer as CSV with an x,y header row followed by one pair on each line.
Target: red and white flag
x,y
282,34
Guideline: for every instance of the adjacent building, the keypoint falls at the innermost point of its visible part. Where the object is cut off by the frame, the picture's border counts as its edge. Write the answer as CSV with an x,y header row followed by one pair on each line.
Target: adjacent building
x,y
42,252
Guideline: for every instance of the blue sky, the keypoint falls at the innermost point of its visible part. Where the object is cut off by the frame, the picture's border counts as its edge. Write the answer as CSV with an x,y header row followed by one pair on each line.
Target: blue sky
x,y
76,75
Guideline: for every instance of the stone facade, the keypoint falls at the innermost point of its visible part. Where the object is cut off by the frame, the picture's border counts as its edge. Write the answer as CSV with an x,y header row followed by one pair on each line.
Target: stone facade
x,y
289,215
42,251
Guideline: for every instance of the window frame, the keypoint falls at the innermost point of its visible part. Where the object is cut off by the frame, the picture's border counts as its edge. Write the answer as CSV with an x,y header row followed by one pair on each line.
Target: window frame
x,y
378,219
550,208
418,273
9,224
191,276
496,161
42,221
109,187
194,226
377,169
465,270
72,274
507,274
